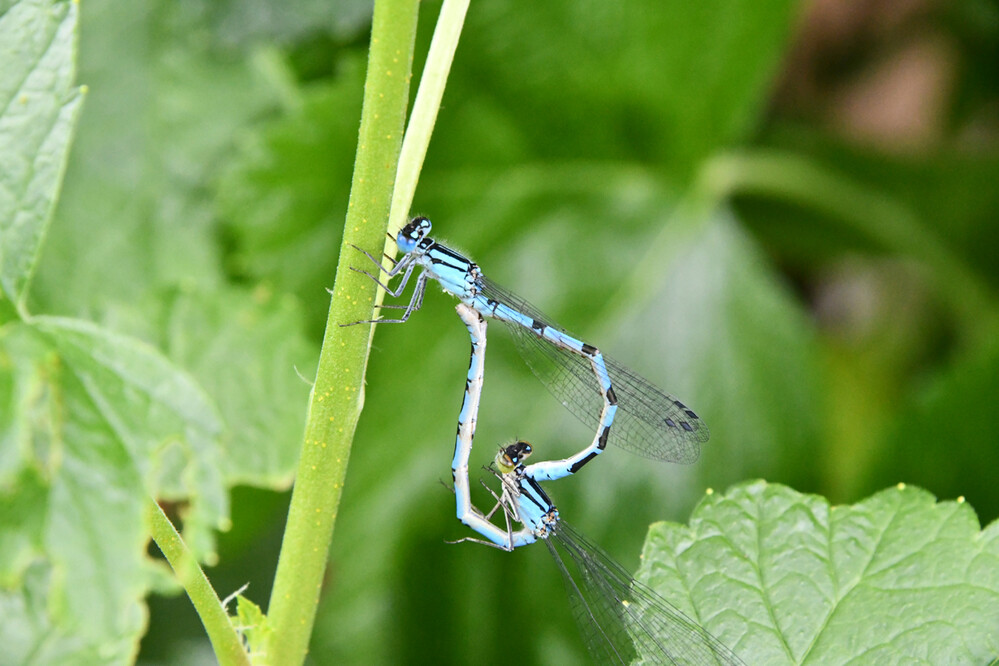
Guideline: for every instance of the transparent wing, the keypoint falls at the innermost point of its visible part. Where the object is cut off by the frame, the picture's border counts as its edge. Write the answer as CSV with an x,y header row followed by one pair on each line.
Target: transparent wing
x,y
649,422
623,621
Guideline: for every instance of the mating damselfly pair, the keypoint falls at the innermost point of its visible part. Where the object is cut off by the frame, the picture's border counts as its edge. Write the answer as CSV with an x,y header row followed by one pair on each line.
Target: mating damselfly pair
x,y
621,619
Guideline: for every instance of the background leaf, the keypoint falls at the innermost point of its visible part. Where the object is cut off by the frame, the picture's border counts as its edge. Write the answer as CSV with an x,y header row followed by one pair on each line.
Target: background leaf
x,y
935,443
285,191
628,64
726,196
729,321
246,350
102,425
38,109
135,214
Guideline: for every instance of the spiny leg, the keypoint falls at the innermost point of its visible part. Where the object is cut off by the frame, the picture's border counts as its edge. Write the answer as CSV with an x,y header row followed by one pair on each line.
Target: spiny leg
x,y
406,263
415,303
377,263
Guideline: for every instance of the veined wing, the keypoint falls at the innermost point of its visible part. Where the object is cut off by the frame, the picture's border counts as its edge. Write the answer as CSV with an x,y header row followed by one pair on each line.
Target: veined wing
x,y
649,422
623,621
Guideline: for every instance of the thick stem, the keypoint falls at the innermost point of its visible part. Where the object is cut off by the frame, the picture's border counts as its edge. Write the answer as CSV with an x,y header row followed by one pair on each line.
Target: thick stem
x,y
338,393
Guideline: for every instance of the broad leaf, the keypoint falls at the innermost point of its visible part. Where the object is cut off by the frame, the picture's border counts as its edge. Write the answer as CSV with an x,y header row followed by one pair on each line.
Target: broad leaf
x,y
95,425
38,108
784,578
133,215
712,316
670,81
248,352
284,195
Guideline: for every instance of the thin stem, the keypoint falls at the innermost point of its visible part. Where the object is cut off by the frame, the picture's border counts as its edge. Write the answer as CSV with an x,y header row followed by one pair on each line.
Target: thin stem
x,y
338,393
882,219
428,101
225,641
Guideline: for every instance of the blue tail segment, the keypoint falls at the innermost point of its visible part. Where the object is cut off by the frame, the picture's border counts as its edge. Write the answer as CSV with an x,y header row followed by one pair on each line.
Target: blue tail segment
x,y
623,408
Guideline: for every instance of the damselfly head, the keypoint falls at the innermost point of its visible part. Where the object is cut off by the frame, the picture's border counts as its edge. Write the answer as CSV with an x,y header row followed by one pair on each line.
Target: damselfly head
x,y
411,234
509,457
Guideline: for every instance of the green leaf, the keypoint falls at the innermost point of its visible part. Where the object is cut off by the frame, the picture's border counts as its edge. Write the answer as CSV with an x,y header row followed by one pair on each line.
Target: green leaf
x,y
32,634
249,353
167,425
100,423
671,81
944,434
252,624
713,317
134,214
783,578
38,107
284,195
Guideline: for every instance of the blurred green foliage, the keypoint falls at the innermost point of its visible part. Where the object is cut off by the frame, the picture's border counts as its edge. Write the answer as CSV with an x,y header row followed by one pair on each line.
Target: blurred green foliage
x,y
764,208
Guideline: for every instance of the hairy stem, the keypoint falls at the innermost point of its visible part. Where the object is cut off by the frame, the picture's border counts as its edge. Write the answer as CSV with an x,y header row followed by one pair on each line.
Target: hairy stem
x,y
338,393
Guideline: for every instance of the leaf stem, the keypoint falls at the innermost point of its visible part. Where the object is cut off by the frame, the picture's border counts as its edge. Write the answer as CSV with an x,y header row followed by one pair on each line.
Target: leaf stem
x,y
225,641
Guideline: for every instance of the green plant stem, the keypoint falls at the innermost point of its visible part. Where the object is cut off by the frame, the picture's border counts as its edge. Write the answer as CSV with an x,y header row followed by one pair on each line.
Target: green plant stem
x,y
428,101
225,641
338,393
884,220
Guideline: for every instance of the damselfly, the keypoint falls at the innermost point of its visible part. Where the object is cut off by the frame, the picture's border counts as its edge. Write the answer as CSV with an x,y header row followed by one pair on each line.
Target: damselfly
x,y
592,386
622,620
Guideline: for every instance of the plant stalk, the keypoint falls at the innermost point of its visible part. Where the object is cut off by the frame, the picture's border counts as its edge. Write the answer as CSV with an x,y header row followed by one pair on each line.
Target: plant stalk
x,y
225,641
338,393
